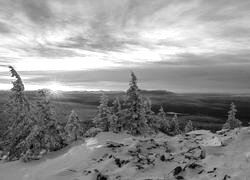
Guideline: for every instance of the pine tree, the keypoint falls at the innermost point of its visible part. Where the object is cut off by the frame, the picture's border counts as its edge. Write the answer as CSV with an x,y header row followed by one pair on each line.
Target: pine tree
x,y
232,122
73,127
135,112
176,125
103,116
20,118
116,123
164,124
189,127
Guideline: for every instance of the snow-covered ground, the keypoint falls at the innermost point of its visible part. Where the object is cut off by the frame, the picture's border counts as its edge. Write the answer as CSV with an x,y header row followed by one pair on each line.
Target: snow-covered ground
x,y
198,155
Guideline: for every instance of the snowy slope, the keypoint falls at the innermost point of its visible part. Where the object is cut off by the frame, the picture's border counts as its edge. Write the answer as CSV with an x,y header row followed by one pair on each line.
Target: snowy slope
x,y
67,165
199,155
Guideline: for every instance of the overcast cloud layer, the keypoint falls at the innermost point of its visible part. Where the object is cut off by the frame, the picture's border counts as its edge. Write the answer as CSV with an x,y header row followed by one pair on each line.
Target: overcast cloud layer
x,y
177,45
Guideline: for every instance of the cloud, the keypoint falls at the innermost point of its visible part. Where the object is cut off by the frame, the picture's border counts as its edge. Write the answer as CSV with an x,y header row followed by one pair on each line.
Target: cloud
x,y
101,35
4,28
229,78
37,11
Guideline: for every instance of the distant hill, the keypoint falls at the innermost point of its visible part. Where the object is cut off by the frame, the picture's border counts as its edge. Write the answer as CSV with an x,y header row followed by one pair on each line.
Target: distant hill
x,y
207,111
157,92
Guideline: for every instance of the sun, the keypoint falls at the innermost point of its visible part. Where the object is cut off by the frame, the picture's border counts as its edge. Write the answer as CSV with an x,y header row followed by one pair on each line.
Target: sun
x,y
55,87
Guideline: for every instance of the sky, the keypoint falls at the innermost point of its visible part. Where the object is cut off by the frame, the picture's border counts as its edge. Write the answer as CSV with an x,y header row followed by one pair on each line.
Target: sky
x,y
174,45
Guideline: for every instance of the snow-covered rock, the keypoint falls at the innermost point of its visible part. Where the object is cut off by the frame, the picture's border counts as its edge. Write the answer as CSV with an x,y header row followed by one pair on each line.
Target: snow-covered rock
x,y
206,138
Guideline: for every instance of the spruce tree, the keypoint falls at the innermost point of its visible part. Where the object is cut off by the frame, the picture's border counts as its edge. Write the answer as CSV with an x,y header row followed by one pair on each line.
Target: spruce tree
x,y
135,112
151,120
232,122
47,122
176,125
116,123
73,127
189,127
45,134
102,118
34,144
20,118
116,108
164,124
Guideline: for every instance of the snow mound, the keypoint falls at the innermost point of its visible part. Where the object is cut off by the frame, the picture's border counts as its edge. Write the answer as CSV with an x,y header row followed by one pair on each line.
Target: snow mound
x,y
206,138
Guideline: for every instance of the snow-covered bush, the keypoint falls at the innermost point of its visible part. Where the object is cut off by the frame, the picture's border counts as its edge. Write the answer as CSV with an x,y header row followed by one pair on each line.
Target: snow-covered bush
x,y
92,132
232,122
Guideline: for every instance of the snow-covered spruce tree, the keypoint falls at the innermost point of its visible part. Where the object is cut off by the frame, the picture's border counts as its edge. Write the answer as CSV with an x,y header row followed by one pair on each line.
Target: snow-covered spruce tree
x,y
4,126
114,123
232,122
45,134
19,114
115,120
34,144
73,128
103,116
189,127
151,119
176,125
164,123
116,108
47,123
134,115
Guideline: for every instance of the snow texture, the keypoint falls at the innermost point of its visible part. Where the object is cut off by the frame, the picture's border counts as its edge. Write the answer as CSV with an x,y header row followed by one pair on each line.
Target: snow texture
x,y
198,155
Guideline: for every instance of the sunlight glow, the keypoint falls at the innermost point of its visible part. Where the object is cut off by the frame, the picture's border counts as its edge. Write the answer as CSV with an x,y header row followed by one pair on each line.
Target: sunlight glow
x,y
55,87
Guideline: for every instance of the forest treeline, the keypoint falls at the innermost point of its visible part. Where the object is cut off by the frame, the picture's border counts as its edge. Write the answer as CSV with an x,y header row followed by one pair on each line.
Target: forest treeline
x,y
31,130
